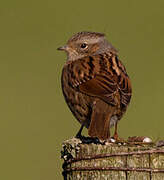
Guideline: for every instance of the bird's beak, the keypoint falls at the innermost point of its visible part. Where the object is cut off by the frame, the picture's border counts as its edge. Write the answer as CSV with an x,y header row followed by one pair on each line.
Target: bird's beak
x,y
62,48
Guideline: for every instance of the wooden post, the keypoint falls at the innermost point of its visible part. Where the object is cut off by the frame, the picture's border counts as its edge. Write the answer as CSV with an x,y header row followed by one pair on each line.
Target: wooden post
x,y
112,161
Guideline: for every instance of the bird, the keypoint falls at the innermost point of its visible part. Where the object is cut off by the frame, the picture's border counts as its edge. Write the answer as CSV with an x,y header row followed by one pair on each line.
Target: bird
x,y
95,84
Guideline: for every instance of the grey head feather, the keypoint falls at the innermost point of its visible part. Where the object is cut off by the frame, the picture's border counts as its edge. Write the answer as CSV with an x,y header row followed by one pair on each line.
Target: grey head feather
x,y
96,43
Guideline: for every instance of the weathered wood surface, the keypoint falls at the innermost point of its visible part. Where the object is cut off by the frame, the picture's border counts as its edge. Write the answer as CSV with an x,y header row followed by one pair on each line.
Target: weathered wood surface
x,y
112,161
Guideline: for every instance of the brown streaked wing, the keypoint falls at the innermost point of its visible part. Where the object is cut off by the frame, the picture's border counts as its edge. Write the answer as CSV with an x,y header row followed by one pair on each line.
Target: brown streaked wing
x,y
92,76
100,87
124,85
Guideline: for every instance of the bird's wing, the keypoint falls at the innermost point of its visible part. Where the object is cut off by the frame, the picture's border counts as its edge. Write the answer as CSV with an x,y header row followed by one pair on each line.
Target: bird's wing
x,y
124,84
92,76
100,86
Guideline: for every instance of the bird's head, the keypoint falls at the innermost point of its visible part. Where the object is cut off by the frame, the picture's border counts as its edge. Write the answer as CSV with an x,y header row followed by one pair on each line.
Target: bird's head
x,y
85,44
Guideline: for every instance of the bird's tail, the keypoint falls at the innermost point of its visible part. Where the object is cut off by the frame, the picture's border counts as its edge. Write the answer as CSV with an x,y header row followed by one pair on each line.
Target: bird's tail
x,y
100,120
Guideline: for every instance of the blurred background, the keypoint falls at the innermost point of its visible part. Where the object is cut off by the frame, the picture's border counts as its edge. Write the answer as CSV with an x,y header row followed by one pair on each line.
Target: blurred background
x,y
34,118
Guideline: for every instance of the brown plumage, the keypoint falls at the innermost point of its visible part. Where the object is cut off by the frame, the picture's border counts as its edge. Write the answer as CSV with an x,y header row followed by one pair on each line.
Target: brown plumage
x,y
95,84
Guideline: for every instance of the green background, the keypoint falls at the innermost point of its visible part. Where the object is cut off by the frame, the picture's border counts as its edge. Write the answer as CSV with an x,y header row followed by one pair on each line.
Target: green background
x,y
34,118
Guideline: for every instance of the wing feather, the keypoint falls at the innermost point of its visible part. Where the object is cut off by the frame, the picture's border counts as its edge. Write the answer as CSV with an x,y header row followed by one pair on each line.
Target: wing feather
x,y
94,76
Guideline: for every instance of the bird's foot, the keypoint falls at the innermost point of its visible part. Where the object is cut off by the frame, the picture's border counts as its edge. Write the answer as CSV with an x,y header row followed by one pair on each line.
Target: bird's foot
x,y
79,136
88,140
117,139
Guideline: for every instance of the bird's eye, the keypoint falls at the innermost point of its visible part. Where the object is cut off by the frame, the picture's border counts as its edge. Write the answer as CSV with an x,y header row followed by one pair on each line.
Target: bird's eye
x,y
84,45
